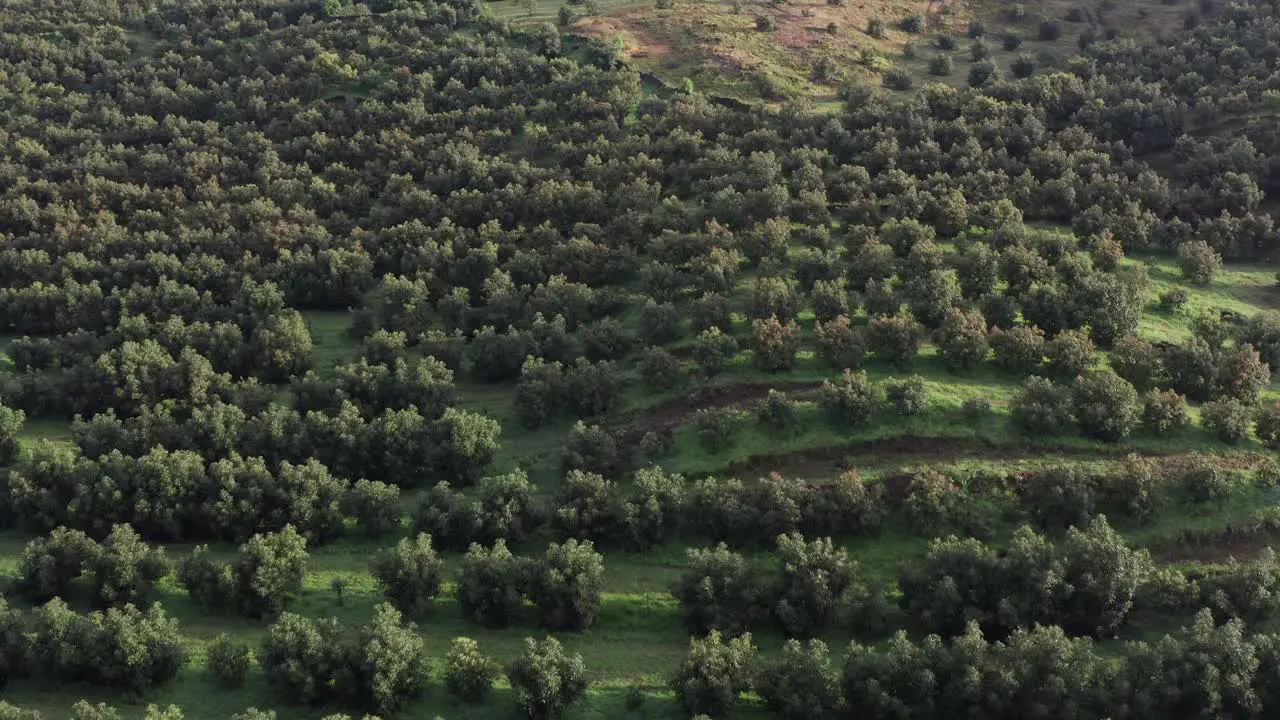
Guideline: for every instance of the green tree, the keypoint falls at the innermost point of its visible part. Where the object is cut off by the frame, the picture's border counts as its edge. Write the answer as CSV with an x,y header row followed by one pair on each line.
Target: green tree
x,y
812,578
124,568
1198,262
715,674
469,675
1105,406
491,584
546,680
802,683
567,588
409,574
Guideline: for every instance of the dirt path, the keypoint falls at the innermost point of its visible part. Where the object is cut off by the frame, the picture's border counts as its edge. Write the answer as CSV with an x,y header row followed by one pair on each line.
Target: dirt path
x,y
665,417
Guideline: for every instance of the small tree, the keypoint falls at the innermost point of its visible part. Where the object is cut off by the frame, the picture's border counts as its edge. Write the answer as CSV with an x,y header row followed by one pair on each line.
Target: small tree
x,y
1227,419
802,683
375,506
840,345
268,572
718,591
48,565
1199,262
1106,406
717,430
593,449
849,401
812,577
1023,66
228,659
713,676
468,674
774,344
589,507
1164,412
1019,350
895,339
490,585
567,589
660,370
1266,424
124,569
777,413
713,349
1241,374
11,422
908,397
941,65
409,574
1135,360
877,28
1042,408
1070,354
546,680
962,339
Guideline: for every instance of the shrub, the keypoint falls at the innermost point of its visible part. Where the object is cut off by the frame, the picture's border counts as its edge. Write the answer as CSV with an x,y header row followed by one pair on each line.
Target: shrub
x,y
1131,490
1135,360
913,24
660,370
48,565
977,29
1172,300
1241,374
898,79
812,578
11,422
978,51
1164,412
849,401
375,506
1060,497
712,350
934,503
946,41
1011,41
839,344
717,591
1227,419
976,408
1198,262
1019,350
941,65
593,449
764,23
717,430
1105,406
777,413
1023,66
909,396
1201,480
566,590
983,72
409,574
1050,30
894,339
490,585
659,323
715,673
468,675
801,683
876,28
124,568
546,680
829,299
1070,354
229,660
774,344
540,393
962,339
1042,408
1266,425
589,507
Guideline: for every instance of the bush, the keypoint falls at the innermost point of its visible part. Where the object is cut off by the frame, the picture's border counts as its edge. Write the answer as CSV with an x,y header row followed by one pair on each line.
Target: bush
x,y
908,397
777,413
894,339
659,323
718,591
1011,41
877,28
715,673
1070,354
1023,66
813,576
1131,490
898,79
547,681
1201,480
660,370
962,340
490,585
801,683
1198,262
468,675
1050,30
717,430
229,660
934,503
375,506
1227,419
1164,412
1172,300
978,51
1060,498
1241,374
592,449
774,344
840,345
48,565
983,72
849,401
566,590
1266,425
941,65
409,574
712,350
1042,408
1018,350
11,422
946,41
1105,406
589,507
974,409
913,24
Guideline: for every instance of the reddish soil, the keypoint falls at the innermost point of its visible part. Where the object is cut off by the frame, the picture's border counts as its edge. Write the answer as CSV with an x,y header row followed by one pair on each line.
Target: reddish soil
x,y
668,415
1235,543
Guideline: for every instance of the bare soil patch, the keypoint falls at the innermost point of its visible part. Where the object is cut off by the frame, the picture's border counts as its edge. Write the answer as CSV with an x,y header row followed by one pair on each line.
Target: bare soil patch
x,y
1239,543
666,416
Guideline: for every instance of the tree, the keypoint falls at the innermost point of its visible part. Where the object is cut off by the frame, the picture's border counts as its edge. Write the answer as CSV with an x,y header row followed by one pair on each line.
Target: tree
x,y
124,568
592,449
1023,66
409,574
849,401
777,413
1019,350
490,585
713,349
840,345
589,508
895,339
907,397
546,680
714,674
465,443
1266,423
941,65
1042,408
375,506
48,565
1135,360
801,683
11,422
228,659
962,339
1241,374
1227,419
1101,576
392,662
1105,406
717,591
812,578
567,589
1070,354
468,674
267,574
660,370
1061,497
774,344
1198,262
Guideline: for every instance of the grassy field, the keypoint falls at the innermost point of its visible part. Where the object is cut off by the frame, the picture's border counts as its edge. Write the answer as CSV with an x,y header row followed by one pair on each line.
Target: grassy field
x,y
639,638
816,47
